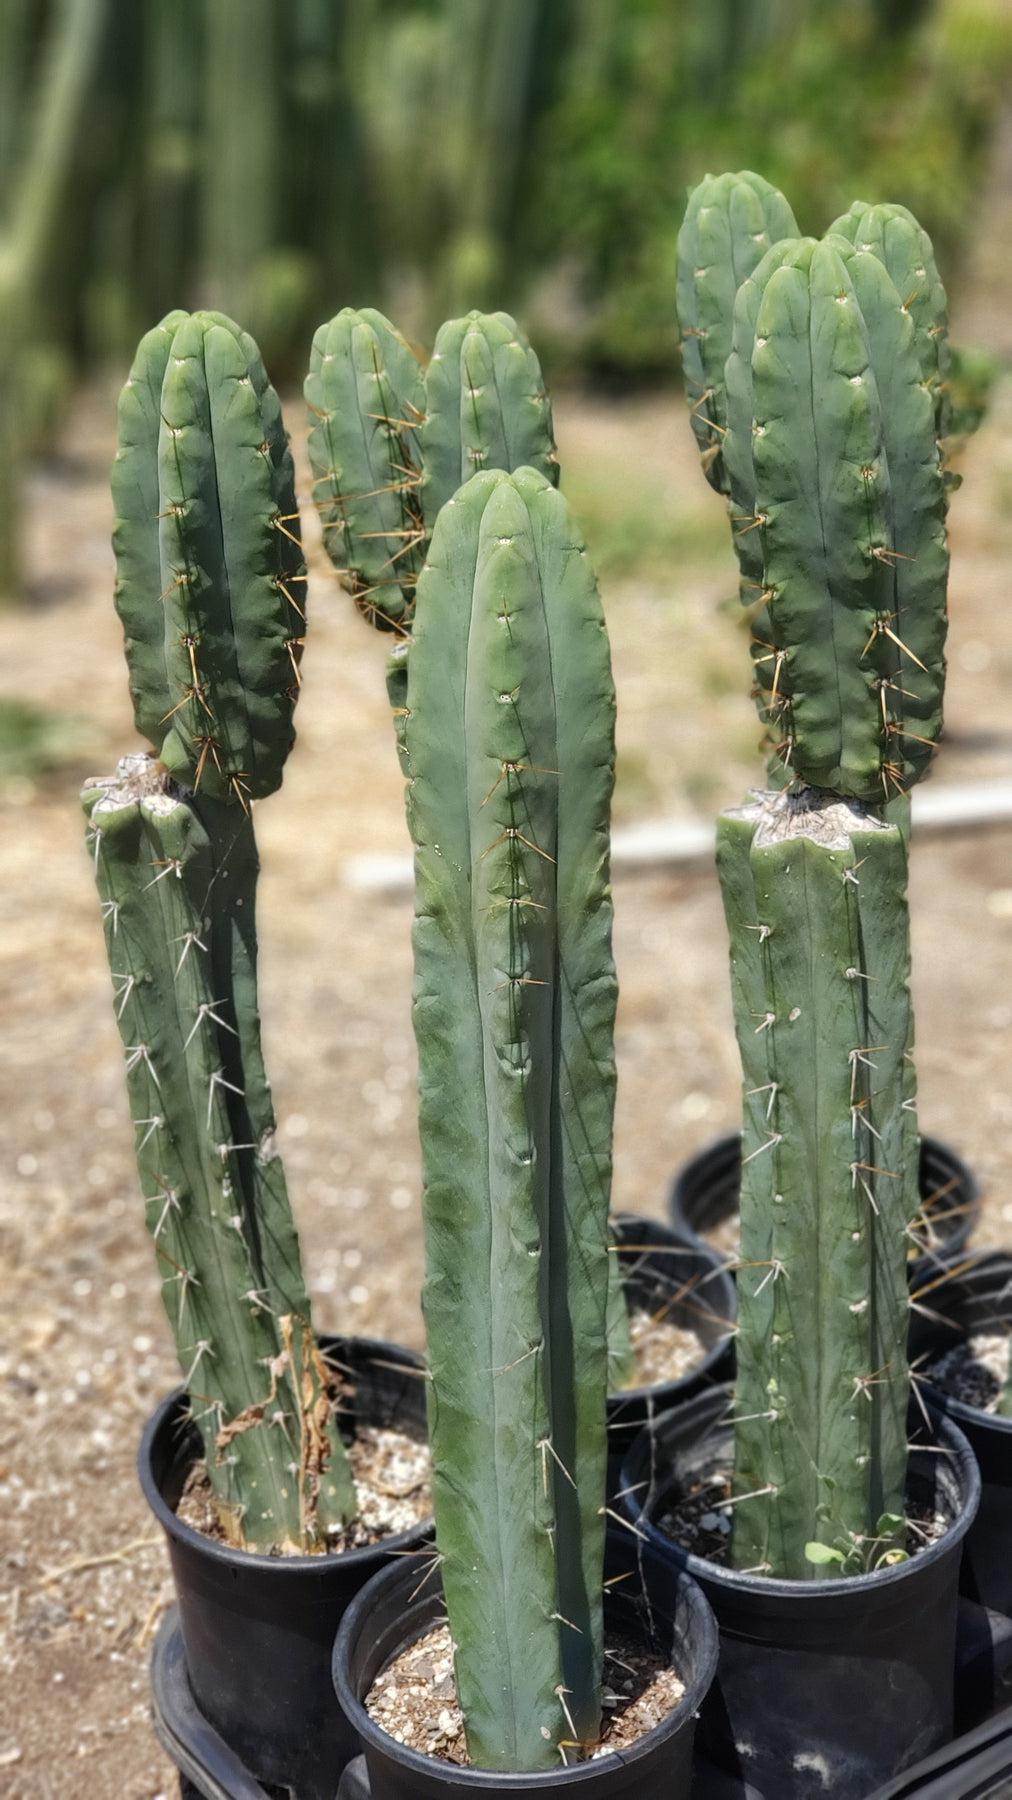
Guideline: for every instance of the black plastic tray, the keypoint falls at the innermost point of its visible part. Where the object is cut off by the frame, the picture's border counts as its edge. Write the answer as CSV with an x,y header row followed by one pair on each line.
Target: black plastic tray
x,y
976,1766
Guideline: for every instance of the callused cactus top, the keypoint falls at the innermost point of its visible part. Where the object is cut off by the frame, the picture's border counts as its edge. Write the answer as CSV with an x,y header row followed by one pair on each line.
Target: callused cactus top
x,y
210,578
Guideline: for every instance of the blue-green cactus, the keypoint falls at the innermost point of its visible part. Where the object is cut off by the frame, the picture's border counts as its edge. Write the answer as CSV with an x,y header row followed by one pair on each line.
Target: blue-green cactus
x,y
509,732
730,223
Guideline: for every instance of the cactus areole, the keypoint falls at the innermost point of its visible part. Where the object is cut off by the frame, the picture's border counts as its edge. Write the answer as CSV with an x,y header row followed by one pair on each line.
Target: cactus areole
x,y
829,416
210,589
509,747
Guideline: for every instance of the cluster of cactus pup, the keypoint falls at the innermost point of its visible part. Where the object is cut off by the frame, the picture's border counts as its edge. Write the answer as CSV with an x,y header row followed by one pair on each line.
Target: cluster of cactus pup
x,y
816,372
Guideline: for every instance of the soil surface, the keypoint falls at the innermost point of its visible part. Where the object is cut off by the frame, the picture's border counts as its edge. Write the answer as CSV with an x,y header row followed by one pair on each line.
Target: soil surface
x,y
414,1698
975,1372
392,1490
84,1349
662,1350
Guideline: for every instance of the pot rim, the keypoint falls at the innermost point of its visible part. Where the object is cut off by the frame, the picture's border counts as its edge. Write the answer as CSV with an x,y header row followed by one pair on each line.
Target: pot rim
x,y
276,1566
821,1587
703,1640
721,1272
966,1267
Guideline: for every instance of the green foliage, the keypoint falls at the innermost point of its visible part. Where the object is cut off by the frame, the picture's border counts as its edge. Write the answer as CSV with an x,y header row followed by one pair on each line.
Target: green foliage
x,y
36,741
824,99
509,744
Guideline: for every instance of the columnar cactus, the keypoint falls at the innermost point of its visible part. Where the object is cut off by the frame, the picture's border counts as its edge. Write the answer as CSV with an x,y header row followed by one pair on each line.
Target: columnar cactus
x,y
814,891
832,468
730,223
389,444
210,590
903,246
846,507
509,737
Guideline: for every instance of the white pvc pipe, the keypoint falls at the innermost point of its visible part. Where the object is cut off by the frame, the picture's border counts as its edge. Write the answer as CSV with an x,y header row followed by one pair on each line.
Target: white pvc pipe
x,y
686,843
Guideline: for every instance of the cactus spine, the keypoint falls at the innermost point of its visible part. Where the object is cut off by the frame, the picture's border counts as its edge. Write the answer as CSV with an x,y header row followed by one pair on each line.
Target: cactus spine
x,y
509,736
836,497
209,568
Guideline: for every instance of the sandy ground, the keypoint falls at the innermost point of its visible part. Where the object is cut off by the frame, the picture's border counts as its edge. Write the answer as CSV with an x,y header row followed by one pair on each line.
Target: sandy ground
x,y
84,1351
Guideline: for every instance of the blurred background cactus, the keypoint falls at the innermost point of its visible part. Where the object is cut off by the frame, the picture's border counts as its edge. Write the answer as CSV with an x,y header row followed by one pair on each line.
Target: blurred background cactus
x,y
510,745
825,427
567,135
209,563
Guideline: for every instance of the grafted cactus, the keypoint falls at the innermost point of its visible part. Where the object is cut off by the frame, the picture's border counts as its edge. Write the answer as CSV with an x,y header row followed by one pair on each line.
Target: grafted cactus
x,y
389,444
209,574
836,498
730,223
509,734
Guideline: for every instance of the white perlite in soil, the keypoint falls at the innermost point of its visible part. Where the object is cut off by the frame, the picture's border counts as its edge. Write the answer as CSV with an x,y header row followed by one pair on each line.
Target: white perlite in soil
x,y
975,1371
392,1486
662,1351
414,1699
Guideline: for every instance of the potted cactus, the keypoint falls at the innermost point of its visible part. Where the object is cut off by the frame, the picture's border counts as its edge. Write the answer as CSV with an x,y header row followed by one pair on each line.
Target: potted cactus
x,y
828,417
389,444
509,749
210,590
731,223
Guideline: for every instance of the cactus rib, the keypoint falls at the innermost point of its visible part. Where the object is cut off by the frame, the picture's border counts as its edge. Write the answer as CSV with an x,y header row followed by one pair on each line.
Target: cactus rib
x,y
730,223
366,399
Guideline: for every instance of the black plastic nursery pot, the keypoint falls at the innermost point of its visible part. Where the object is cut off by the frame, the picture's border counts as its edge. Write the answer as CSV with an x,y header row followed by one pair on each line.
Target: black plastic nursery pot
x,y
258,1631
960,1299
686,1282
823,1687
705,1193
391,1614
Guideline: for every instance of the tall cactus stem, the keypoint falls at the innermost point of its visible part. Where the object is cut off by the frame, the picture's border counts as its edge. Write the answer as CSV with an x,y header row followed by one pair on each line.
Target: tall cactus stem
x,y
509,738
814,892
258,1390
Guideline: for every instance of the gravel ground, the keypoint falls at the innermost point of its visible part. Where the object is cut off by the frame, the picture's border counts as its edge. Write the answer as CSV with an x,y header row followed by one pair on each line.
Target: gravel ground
x,y
84,1351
